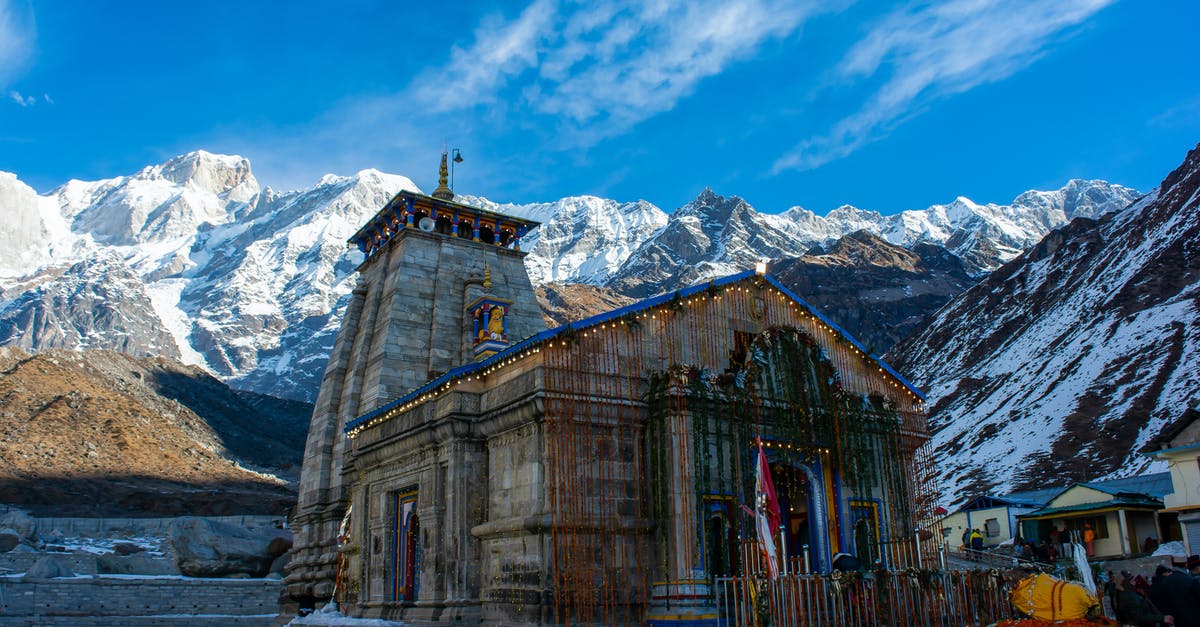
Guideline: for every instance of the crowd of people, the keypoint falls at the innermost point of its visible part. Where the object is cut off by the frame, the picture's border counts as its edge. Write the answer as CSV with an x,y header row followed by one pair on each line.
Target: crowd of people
x,y
1170,597
1056,544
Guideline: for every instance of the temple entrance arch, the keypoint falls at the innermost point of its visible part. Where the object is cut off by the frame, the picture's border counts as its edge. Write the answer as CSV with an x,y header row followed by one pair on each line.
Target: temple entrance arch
x,y
805,517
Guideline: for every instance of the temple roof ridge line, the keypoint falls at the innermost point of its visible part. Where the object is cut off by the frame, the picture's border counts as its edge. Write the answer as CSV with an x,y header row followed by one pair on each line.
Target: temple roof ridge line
x,y
533,343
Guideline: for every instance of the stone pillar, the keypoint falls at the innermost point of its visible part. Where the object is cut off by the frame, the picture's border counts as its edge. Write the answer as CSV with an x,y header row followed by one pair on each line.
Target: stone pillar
x,y
684,593
432,512
465,499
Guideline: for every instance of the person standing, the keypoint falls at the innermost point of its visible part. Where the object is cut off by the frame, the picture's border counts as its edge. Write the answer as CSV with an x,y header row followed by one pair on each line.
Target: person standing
x,y
1089,540
1135,609
976,543
1177,593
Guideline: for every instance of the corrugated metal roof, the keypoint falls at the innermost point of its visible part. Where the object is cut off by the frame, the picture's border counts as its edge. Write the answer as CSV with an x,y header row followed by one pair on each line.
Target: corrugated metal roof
x,y
1157,485
1121,502
1035,498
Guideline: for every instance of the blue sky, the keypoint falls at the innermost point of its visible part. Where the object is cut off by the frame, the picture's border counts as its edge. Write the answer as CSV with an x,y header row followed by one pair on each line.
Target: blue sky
x,y
886,106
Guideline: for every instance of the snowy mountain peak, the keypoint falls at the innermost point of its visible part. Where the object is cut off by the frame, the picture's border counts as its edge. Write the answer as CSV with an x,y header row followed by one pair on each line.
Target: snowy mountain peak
x,y
221,175
32,232
160,202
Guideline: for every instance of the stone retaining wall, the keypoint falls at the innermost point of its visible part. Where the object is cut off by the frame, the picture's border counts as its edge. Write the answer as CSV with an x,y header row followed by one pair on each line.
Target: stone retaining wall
x,y
72,527
115,600
19,562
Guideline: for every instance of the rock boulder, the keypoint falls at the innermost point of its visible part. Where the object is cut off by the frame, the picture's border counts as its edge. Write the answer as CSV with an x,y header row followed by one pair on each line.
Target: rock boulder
x,y
49,567
208,548
9,540
20,522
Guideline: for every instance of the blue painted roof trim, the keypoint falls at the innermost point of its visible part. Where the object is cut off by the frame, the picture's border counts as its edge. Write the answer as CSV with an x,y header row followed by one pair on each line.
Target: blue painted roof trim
x,y
639,306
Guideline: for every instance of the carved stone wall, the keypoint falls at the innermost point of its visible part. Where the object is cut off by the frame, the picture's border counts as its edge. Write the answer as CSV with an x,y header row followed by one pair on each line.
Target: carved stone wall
x,y
406,323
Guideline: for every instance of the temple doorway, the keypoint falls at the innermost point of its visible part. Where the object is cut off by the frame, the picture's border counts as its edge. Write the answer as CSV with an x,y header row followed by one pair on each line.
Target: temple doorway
x,y
795,505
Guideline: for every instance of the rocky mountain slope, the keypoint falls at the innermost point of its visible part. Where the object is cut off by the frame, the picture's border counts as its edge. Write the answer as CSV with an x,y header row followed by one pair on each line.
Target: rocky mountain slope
x,y
194,259
709,237
713,235
877,291
1062,363
103,433
567,302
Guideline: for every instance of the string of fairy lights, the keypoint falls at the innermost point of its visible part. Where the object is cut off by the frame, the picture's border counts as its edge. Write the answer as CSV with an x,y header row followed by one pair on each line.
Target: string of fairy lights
x,y
623,444
630,318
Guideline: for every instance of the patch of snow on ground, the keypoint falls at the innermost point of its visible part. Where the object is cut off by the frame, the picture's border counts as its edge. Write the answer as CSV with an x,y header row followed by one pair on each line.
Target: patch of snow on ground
x,y
330,615
104,546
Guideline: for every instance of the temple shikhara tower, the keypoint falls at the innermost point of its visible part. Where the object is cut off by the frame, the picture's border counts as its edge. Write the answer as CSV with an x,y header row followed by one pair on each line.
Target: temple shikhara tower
x,y
466,465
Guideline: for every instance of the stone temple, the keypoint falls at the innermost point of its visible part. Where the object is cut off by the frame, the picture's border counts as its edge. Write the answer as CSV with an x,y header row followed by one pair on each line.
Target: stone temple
x,y
466,465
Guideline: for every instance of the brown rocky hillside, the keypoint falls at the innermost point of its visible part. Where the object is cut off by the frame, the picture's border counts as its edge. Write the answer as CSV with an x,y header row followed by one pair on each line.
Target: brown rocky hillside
x,y
567,302
104,433
876,291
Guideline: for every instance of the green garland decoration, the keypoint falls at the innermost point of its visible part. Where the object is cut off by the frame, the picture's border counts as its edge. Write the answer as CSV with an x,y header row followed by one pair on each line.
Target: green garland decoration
x,y
787,392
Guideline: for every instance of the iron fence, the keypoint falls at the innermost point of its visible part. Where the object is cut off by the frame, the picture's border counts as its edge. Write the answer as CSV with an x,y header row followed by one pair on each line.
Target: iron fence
x,y
913,597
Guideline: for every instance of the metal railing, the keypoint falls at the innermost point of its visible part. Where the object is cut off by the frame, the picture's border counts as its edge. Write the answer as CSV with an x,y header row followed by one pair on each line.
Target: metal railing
x,y
920,598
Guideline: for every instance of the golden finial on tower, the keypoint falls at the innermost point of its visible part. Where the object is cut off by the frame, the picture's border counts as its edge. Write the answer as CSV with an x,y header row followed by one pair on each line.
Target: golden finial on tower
x,y
487,276
443,189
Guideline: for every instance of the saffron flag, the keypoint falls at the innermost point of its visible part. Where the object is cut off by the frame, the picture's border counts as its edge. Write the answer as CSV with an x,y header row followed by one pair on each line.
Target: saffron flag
x,y
766,516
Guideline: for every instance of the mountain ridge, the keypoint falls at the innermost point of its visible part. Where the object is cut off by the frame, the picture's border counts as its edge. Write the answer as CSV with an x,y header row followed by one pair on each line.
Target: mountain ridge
x,y
250,282
1089,338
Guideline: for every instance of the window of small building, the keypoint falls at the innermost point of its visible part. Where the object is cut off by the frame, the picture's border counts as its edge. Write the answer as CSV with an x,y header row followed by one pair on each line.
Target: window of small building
x,y
991,527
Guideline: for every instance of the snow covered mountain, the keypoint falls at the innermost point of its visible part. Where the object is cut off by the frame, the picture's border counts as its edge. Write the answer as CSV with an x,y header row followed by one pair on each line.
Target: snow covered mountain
x,y
97,303
984,236
713,235
1061,364
194,259
709,237
583,239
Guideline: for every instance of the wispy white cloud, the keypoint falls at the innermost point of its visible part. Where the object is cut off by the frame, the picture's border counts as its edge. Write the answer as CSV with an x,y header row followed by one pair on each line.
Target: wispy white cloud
x,y
24,101
586,71
933,51
1184,115
16,41
609,65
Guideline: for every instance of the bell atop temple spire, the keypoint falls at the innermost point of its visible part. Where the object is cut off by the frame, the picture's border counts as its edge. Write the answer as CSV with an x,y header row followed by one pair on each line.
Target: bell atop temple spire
x,y
443,190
